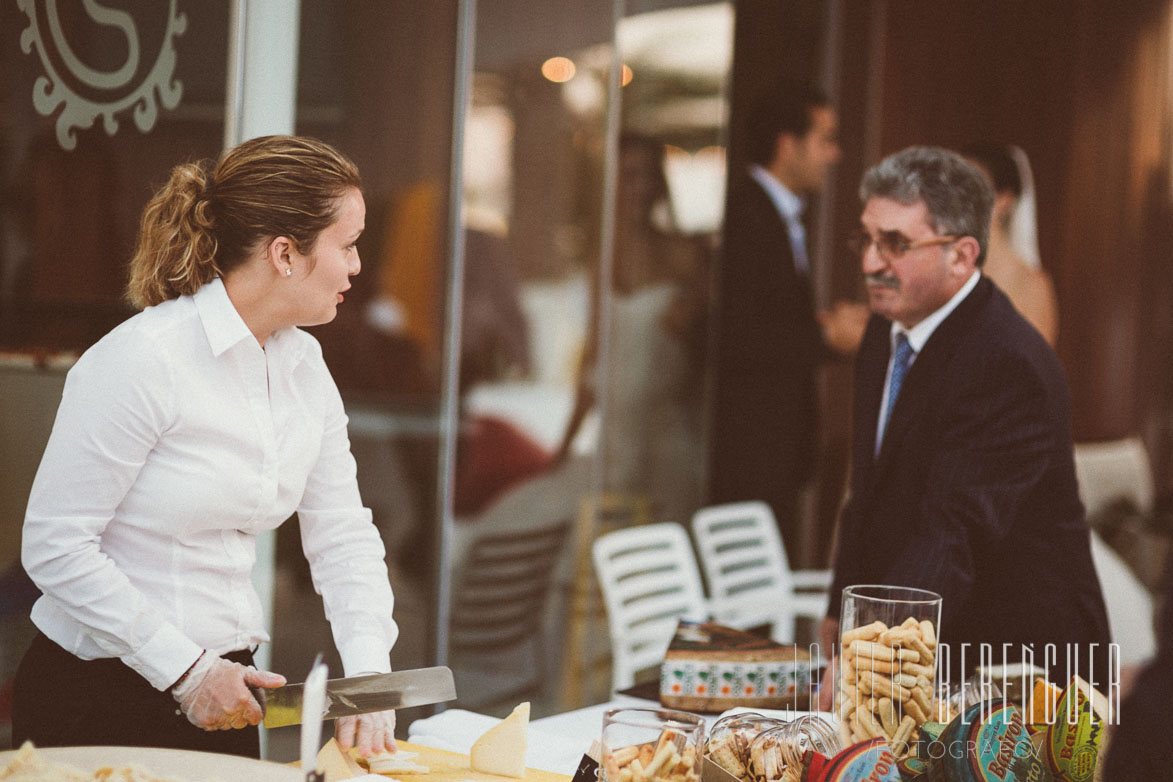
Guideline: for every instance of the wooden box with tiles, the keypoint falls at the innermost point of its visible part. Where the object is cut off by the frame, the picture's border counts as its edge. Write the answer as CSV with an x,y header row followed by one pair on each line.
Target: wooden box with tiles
x,y
710,668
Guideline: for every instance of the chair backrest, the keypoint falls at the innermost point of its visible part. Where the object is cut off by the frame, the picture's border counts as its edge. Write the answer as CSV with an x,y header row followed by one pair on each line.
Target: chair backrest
x,y
1114,470
1129,605
502,587
745,565
649,580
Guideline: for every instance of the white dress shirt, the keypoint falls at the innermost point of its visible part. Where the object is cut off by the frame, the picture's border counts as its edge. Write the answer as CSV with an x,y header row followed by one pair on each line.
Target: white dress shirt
x,y
178,439
790,207
917,336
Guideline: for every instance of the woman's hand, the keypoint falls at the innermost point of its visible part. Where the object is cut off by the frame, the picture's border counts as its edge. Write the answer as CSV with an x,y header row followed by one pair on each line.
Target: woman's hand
x,y
371,733
214,694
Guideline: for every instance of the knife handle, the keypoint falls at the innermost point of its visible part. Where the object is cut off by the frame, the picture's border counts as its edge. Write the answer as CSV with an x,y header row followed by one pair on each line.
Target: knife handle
x,y
259,694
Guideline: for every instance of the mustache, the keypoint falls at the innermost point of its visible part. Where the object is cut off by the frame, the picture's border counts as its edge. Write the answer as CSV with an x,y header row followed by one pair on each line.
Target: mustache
x,y
880,280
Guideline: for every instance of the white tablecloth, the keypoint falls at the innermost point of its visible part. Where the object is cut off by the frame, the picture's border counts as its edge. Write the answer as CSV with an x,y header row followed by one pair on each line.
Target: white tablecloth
x,y
556,743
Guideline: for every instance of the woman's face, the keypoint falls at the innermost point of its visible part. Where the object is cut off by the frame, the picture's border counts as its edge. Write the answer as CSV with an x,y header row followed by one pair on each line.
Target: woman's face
x,y
324,274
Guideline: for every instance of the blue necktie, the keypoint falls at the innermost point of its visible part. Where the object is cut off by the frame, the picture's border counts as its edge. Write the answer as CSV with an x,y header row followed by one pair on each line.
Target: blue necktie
x,y
798,245
901,360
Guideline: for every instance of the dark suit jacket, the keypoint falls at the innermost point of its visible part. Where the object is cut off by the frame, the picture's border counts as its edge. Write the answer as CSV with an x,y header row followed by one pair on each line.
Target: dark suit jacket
x,y
973,494
769,347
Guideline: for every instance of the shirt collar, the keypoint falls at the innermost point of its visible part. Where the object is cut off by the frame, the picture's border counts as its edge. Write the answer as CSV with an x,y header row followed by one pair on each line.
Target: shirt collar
x,y
786,202
919,334
222,323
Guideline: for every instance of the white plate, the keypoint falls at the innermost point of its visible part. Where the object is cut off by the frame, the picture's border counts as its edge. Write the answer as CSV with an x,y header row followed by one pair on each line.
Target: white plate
x,y
181,765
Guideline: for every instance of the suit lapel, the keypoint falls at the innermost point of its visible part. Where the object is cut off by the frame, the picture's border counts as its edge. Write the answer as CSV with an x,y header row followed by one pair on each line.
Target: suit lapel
x,y
871,367
926,376
761,201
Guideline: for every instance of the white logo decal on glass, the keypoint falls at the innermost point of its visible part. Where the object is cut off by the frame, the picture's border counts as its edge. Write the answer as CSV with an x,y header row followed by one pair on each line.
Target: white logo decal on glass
x,y
55,89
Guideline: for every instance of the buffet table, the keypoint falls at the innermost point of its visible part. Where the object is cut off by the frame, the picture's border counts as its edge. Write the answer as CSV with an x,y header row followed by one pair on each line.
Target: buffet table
x,y
556,743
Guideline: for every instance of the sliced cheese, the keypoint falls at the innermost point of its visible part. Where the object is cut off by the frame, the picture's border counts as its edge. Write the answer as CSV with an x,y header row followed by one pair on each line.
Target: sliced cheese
x,y
396,763
502,749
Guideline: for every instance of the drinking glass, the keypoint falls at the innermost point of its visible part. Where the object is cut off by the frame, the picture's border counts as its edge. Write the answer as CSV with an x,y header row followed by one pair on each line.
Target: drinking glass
x,y
646,745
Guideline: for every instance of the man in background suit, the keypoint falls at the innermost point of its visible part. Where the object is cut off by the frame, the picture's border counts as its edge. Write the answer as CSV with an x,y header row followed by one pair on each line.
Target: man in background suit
x,y
963,479
770,340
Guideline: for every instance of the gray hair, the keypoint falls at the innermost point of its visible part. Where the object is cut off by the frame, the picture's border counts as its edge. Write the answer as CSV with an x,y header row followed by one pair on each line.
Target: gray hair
x,y
958,196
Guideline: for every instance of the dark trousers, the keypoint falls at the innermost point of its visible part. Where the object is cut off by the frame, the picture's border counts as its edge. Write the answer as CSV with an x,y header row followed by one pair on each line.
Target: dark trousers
x,y
59,700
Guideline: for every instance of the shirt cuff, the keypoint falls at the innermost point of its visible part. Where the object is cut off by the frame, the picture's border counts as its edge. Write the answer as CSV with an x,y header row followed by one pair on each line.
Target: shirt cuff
x,y
365,654
164,658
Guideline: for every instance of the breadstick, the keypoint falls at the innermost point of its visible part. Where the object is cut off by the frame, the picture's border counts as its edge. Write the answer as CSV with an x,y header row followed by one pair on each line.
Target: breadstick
x,y
857,731
882,685
845,738
868,721
870,650
877,666
903,734
909,623
887,714
922,700
914,710
669,737
917,670
899,636
660,759
863,633
907,655
928,634
905,679
625,755
926,654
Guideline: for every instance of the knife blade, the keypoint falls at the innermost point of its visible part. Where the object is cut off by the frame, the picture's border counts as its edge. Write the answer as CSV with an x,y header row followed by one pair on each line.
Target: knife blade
x,y
360,694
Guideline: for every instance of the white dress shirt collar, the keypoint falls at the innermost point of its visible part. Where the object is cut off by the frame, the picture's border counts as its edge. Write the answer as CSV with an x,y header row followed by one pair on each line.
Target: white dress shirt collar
x,y
222,323
788,204
226,329
919,334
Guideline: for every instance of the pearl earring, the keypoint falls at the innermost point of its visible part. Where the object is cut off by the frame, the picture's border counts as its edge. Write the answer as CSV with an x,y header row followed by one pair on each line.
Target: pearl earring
x,y
288,272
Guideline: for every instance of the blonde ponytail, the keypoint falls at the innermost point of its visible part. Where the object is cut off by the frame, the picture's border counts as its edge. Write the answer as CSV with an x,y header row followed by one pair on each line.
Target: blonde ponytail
x,y
201,225
176,251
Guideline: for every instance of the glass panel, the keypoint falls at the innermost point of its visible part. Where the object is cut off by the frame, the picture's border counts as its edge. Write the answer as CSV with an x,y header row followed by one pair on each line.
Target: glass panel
x,y
581,400
366,85
533,187
95,113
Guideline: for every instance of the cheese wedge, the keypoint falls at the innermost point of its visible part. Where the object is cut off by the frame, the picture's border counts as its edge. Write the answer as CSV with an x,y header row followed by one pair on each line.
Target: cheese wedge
x,y
502,749
336,764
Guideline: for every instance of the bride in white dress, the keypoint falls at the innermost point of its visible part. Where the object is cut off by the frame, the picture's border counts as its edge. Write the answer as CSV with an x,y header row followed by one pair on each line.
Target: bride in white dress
x,y
1012,260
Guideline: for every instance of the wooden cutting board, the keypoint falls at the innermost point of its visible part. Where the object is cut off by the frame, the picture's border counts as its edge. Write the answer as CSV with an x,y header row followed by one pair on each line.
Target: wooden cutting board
x,y
443,766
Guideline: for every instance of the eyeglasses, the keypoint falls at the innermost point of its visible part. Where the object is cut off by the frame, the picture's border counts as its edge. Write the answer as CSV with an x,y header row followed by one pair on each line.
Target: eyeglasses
x,y
892,245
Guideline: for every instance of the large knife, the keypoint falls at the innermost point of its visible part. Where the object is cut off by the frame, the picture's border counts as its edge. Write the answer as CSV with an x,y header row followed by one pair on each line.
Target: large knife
x,y
360,694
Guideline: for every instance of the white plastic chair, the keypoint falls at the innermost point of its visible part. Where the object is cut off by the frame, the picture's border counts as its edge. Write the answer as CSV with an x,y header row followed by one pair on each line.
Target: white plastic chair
x,y
749,576
1114,470
649,580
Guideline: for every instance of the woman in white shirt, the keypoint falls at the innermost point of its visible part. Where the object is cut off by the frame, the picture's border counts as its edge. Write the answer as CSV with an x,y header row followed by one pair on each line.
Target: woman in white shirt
x,y
196,424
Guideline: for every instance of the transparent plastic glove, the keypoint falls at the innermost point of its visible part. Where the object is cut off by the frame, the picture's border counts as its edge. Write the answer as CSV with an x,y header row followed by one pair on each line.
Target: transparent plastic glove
x,y
372,733
215,694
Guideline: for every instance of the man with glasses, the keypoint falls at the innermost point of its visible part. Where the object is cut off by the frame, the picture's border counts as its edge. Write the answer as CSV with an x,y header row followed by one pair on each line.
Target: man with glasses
x,y
963,479
770,339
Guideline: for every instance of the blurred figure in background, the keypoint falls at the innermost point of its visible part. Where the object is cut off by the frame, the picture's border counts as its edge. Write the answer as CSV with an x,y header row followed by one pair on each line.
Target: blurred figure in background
x,y
1012,260
650,437
771,341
